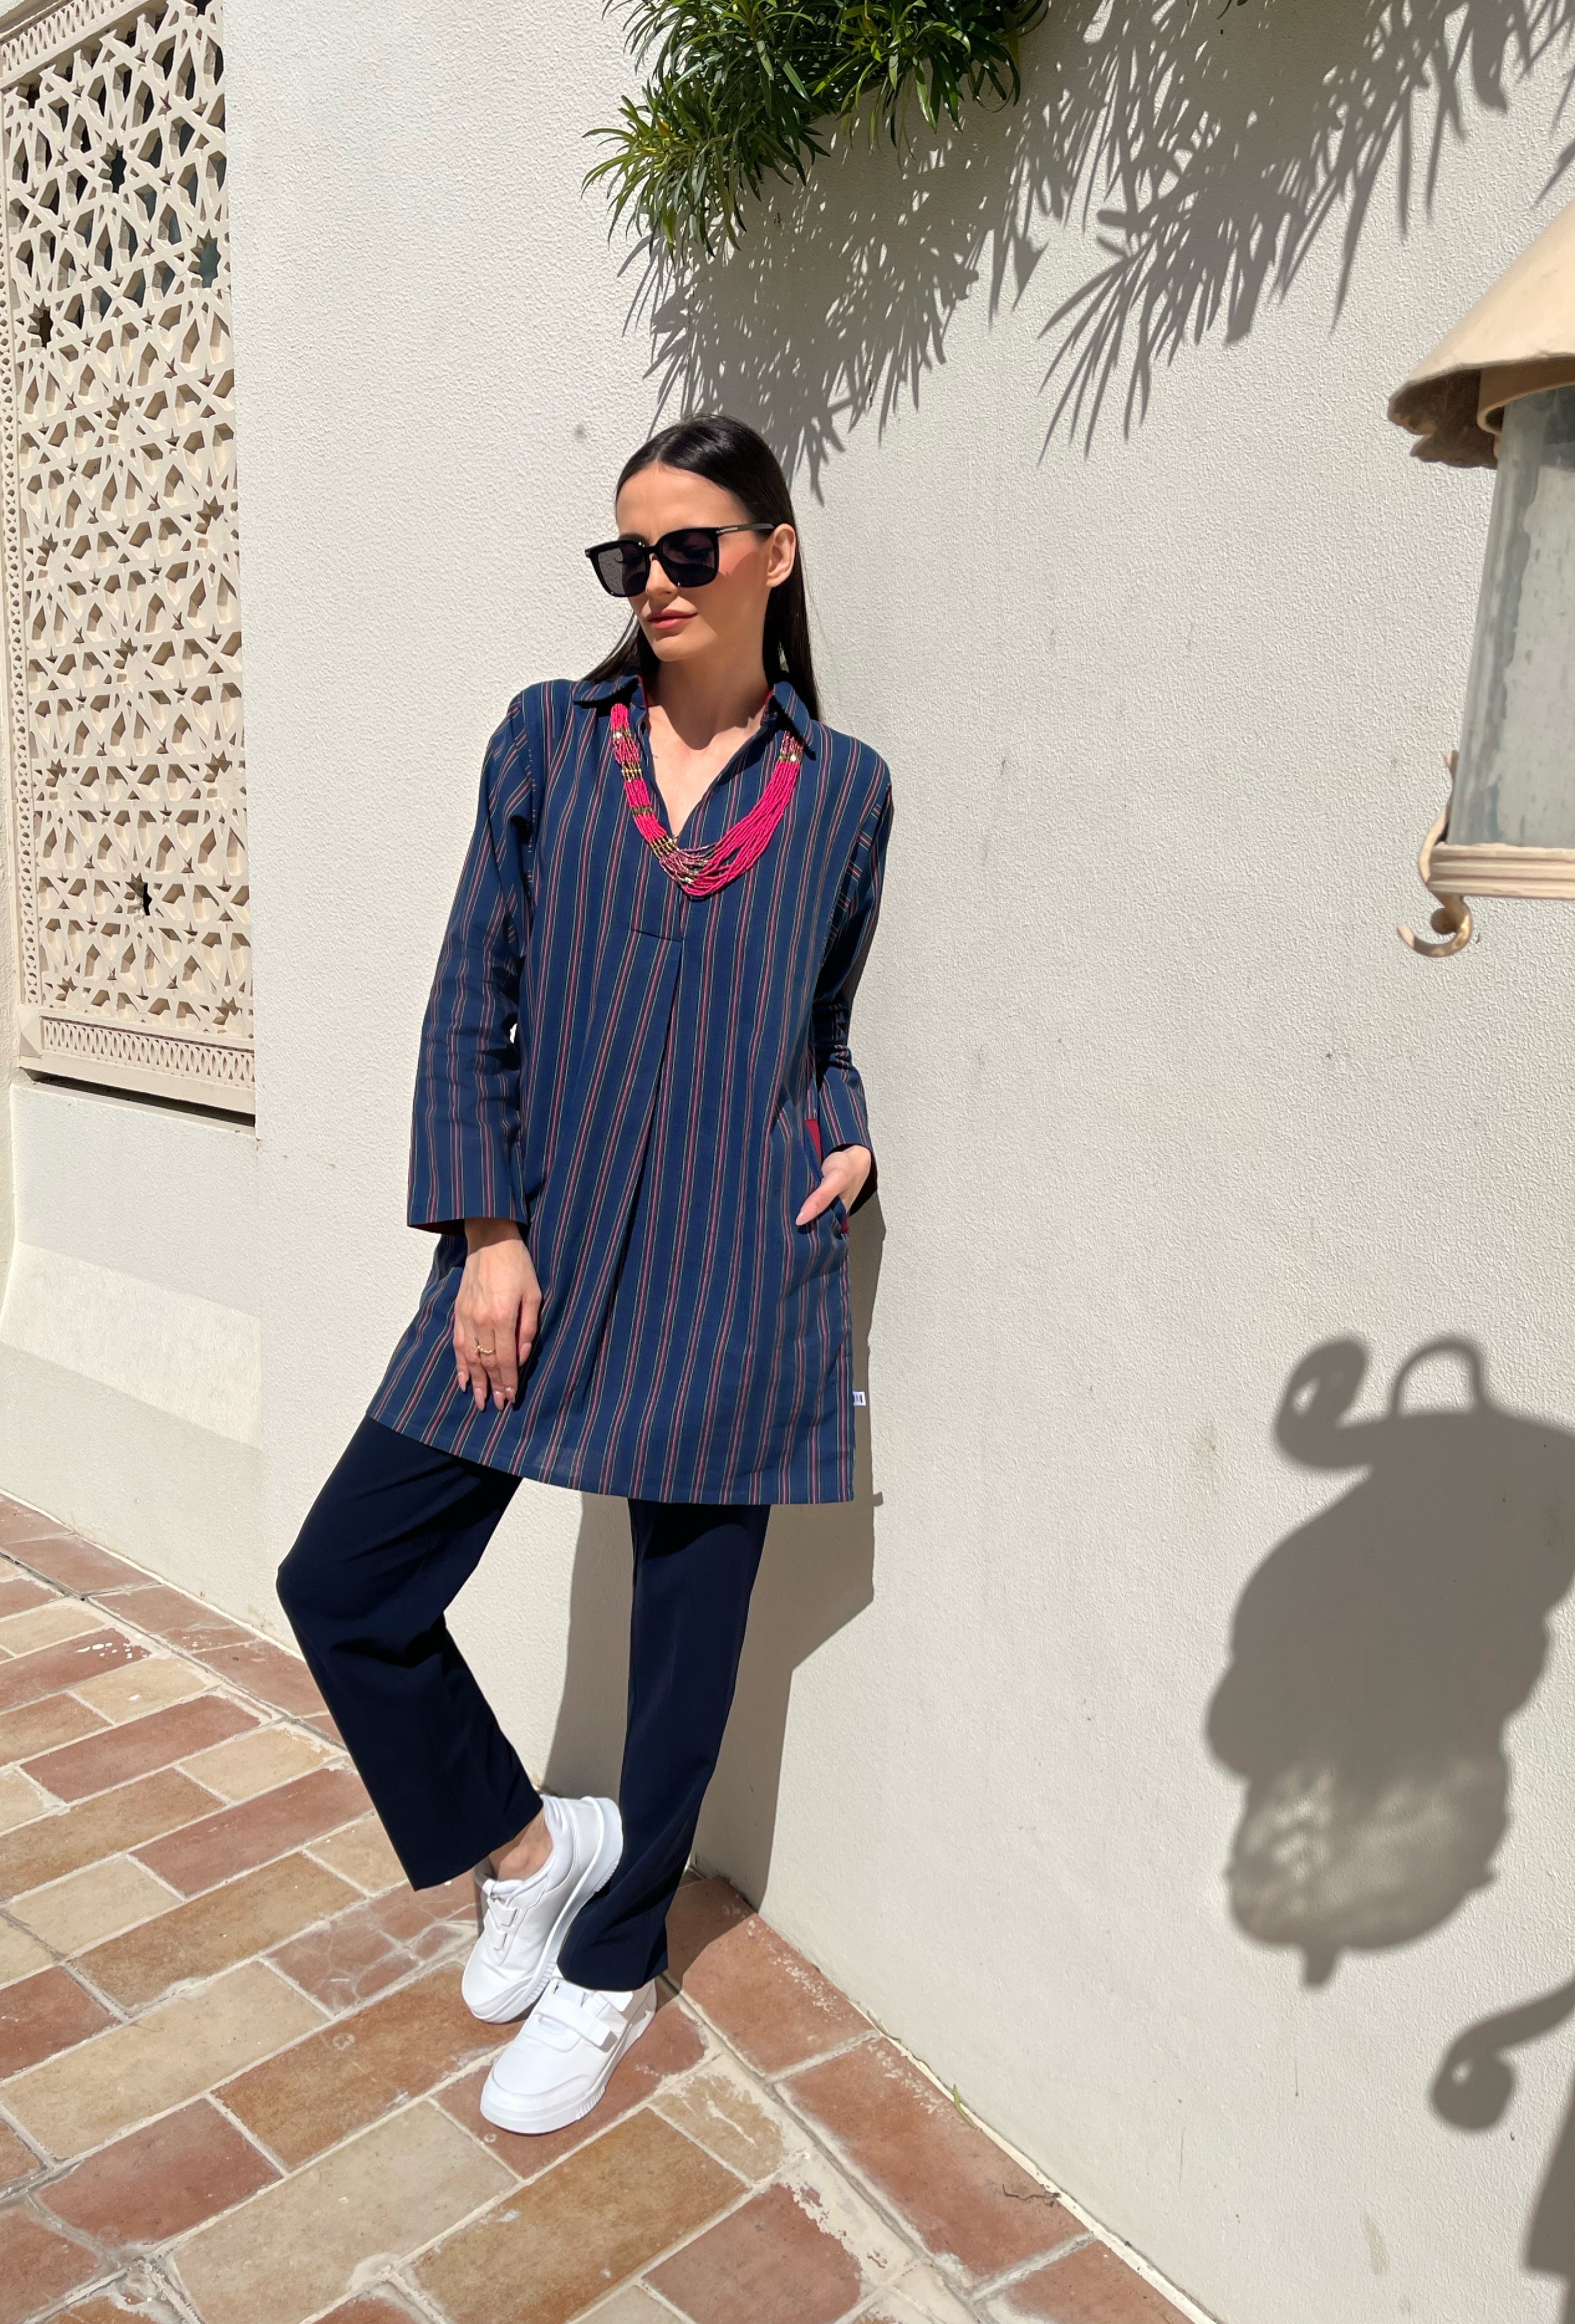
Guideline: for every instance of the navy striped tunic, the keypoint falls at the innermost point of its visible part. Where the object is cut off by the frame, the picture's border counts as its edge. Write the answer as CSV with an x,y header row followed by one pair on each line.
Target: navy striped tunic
x,y
645,1081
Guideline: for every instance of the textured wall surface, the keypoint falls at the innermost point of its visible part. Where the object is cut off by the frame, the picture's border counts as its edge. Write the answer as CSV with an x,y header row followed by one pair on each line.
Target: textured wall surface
x,y
1183,1156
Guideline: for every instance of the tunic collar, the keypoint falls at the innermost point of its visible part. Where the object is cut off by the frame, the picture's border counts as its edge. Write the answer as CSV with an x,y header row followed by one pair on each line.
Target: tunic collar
x,y
786,706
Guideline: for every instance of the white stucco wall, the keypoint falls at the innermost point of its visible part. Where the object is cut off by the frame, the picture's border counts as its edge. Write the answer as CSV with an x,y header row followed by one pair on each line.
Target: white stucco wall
x,y
130,1348
1162,1103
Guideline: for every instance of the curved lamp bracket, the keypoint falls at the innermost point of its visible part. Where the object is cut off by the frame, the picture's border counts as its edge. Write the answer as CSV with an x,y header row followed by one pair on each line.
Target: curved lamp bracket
x,y
1452,922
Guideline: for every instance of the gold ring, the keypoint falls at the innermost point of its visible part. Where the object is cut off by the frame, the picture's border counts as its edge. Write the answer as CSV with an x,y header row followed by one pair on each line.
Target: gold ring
x,y
484,1352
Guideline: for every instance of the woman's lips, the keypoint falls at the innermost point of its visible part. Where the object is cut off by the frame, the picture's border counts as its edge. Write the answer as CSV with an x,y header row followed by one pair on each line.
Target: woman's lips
x,y
668,621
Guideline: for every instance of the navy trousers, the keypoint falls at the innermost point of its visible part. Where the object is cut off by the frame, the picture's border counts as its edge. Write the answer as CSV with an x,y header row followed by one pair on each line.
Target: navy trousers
x,y
392,1538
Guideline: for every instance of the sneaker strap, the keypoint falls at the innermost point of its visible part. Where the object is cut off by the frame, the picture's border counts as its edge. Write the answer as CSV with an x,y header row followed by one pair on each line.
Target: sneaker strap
x,y
580,2011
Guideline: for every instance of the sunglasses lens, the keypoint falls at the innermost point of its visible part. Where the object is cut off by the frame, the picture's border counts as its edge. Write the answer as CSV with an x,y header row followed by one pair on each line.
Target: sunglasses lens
x,y
689,559
623,567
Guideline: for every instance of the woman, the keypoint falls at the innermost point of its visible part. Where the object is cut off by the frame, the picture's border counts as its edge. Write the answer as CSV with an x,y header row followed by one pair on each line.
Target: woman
x,y
638,1136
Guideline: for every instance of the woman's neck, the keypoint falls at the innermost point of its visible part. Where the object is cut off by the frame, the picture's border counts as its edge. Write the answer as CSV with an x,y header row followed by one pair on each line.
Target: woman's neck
x,y
699,704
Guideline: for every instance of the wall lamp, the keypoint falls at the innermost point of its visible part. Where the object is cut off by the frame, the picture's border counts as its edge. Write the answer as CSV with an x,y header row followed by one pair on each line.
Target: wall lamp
x,y
1500,392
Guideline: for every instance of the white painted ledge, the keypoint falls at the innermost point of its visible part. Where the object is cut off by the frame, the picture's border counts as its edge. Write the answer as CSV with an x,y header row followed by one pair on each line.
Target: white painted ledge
x,y
185,1356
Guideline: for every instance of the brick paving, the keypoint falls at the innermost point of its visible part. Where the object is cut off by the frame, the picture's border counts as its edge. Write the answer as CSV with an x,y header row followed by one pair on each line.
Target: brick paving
x,y
239,2085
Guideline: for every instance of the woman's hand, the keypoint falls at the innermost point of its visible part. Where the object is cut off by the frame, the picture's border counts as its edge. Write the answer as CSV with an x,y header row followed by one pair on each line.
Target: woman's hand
x,y
843,1172
496,1312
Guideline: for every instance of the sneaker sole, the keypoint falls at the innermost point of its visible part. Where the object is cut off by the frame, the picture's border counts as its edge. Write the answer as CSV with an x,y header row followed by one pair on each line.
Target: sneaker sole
x,y
601,1867
540,2116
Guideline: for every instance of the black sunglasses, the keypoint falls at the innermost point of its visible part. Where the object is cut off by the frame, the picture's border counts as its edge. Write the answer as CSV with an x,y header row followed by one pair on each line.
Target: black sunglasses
x,y
689,557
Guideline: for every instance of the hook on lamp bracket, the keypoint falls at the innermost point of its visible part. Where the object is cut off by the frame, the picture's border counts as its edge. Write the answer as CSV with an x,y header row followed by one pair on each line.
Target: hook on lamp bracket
x,y
1452,922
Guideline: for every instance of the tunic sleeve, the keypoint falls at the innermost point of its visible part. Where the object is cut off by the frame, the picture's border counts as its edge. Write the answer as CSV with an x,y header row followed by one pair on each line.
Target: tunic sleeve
x,y
843,1115
465,1136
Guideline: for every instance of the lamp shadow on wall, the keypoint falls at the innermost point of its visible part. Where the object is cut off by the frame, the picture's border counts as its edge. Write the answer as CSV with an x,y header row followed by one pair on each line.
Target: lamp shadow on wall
x,y
1203,152
1472,2090
1378,1651
816,1576
1376,1658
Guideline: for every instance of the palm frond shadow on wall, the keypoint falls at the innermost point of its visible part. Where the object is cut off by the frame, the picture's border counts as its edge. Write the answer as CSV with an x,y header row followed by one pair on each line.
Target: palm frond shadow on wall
x,y
1201,152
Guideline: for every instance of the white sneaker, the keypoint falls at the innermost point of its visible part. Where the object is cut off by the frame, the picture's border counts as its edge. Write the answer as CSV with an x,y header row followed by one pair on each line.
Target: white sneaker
x,y
526,1921
561,2059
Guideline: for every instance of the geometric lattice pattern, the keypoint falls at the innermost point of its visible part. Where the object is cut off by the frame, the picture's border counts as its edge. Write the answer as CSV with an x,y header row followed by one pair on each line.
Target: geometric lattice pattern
x,y
121,551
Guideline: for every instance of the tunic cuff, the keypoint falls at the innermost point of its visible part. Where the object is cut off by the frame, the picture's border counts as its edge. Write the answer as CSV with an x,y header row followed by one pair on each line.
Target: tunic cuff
x,y
479,1186
844,1120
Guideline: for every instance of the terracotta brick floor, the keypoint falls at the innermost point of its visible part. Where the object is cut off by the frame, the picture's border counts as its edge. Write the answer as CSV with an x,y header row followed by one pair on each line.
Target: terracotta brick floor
x,y
237,2082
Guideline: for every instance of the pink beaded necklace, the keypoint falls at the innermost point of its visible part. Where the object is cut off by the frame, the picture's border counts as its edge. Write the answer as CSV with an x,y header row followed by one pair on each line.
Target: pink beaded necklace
x,y
701,871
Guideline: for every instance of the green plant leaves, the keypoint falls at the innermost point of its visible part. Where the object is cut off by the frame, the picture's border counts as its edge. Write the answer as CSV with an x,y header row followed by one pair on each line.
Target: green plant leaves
x,y
736,91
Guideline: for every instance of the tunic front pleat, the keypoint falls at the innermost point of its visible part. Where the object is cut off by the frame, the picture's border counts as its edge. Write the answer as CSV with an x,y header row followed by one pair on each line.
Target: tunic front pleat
x,y
645,1080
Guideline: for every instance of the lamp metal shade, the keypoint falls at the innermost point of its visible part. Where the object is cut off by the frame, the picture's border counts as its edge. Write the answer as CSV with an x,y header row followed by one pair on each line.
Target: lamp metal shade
x,y
1518,340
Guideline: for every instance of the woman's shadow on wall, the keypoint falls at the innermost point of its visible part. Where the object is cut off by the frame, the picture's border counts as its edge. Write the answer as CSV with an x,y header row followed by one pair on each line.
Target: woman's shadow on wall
x,y
1203,150
816,1574
1376,1658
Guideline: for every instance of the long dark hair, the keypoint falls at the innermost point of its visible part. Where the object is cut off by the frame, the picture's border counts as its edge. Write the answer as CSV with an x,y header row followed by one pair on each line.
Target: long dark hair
x,y
728,453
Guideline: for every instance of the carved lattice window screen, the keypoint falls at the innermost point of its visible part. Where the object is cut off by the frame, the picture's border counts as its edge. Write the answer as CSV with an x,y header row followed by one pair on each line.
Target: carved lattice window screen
x,y
122,599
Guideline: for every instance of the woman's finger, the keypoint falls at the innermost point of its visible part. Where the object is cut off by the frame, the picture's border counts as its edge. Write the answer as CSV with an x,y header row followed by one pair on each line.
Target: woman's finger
x,y
493,1347
824,1196
470,1338
504,1366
